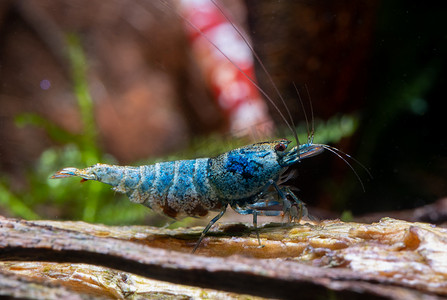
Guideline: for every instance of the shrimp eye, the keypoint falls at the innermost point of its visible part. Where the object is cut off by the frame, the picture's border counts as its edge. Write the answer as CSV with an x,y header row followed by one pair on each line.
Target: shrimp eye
x,y
280,147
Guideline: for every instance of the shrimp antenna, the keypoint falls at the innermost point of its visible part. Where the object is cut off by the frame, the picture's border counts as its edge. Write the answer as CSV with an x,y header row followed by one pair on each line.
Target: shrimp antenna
x,y
264,69
309,131
312,131
339,153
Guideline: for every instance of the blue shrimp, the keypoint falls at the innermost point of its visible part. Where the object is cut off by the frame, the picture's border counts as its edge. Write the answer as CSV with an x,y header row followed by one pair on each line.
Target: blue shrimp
x,y
241,178
248,179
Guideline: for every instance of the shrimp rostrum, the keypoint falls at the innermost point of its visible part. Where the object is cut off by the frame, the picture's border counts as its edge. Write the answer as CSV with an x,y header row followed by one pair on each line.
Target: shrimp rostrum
x,y
246,178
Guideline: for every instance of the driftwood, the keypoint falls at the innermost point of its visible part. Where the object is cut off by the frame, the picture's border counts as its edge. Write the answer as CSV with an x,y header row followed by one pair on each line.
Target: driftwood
x,y
389,259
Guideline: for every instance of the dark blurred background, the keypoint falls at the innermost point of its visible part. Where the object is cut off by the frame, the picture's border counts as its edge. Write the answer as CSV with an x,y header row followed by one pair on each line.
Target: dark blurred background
x,y
117,82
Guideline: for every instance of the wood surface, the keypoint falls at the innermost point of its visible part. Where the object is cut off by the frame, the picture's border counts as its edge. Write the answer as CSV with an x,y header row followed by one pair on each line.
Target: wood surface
x,y
388,259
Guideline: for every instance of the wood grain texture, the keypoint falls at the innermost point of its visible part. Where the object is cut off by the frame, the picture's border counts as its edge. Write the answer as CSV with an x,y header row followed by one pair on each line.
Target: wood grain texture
x,y
389,259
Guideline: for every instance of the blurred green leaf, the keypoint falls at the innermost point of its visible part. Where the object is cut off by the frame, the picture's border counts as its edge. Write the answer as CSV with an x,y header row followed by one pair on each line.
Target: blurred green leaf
x,y
15,205
347,216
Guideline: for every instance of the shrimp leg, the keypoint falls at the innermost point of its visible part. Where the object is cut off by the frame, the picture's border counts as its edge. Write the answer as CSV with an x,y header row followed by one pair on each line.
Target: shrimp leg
x,y
256,212
296,209
211,223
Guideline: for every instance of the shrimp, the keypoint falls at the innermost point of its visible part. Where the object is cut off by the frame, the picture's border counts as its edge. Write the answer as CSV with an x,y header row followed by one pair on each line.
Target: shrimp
x,y
248,179
241,178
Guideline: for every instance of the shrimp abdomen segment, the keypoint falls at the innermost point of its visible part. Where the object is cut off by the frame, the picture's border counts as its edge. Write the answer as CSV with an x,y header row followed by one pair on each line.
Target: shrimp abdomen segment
x,y
179,188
